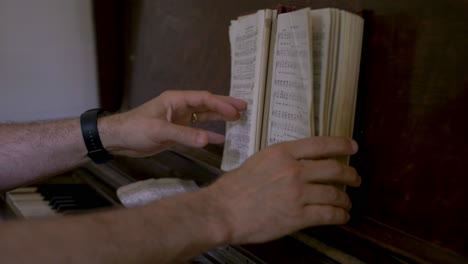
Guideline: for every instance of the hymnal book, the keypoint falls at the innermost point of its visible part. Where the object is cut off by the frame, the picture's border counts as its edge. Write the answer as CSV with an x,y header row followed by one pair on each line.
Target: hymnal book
x,y
298,72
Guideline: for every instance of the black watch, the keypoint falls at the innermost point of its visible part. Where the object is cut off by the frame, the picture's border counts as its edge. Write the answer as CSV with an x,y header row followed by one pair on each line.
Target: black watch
x,y
96,151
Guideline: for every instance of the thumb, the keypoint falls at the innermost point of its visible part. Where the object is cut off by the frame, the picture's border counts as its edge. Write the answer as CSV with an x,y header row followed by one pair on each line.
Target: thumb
x,y
188,136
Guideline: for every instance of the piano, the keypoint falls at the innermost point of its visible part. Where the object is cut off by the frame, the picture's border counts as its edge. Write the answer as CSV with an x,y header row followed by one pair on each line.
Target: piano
x,y
93,188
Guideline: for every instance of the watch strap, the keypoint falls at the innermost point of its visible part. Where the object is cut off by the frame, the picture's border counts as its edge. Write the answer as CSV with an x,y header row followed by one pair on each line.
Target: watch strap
x,y
89,130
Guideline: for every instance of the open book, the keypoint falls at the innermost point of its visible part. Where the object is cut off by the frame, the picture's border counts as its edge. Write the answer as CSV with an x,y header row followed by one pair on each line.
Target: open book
x,y
298,72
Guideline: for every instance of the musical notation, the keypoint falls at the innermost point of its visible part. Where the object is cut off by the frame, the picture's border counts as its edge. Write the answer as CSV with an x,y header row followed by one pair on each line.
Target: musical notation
x,y
244,69
244,61
247,44
244,76
296,85
292,33
291,99
291,91
242,86
252,33
292,53
245,52
287,115
289,127
244,41
293,65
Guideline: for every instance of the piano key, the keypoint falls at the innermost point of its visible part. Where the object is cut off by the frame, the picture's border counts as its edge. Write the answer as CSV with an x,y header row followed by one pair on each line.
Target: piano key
x,y
24,190
28,205
53,199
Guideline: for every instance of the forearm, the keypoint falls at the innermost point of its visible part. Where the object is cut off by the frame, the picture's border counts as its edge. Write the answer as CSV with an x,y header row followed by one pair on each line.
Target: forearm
x,y
31,151
169,231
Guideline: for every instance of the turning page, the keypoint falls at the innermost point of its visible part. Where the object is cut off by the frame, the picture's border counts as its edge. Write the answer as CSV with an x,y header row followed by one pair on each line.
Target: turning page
x,y
249,38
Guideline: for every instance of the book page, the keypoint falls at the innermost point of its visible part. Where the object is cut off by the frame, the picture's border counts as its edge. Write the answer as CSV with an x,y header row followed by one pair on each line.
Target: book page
x,y
358,32
347,72
247,39
344,99
269,79
321,30
265,64
291,109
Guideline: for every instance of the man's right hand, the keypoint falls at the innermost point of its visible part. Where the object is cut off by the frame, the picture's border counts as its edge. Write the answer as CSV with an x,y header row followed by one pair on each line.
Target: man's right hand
x,y
284,188
165,121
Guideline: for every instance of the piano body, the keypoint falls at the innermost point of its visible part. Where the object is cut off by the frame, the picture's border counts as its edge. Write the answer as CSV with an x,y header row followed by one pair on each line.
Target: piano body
x,y
411,120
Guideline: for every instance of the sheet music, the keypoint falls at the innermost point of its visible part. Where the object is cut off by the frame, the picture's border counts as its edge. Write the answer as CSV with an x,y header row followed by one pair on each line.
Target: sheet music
x,y
291,96
245,40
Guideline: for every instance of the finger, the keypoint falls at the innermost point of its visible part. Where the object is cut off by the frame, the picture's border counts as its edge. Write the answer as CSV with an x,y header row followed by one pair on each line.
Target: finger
x,y
213,138
239,104
325,215
329,171
320,194
188,136
320,147
202,101
212,116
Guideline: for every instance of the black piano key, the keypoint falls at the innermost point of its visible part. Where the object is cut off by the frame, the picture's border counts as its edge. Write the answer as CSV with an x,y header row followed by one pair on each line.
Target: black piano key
x,y
72,197
57,199
66,207
59,203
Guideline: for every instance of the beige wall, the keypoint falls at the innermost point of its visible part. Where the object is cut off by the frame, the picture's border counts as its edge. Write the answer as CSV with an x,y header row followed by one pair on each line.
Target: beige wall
x,y
47,59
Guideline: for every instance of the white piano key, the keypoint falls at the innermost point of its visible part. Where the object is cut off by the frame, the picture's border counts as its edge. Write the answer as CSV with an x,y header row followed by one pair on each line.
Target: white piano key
x,y
29,205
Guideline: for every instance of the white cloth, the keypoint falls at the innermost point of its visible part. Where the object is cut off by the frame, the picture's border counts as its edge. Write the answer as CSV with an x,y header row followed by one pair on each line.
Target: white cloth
x,y
143,192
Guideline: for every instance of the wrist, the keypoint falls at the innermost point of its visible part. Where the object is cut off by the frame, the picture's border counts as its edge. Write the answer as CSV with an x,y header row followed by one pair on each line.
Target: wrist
x,y
109,131
216,217
188,223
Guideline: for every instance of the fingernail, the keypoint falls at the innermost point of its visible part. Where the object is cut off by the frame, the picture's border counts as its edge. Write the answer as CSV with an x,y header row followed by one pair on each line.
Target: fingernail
x,y
354,145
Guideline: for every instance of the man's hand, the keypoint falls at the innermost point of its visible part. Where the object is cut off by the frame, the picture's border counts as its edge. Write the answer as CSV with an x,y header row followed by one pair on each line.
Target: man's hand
x,y
286,188
165,120
32,151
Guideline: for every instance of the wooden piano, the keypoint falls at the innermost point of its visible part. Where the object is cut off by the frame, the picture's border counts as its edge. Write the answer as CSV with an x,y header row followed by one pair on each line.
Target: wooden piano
x,y
411,119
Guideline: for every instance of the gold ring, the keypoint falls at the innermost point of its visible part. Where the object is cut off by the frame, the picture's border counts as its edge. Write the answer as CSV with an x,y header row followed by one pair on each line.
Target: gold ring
x,y
194,118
